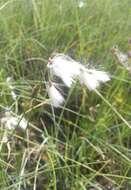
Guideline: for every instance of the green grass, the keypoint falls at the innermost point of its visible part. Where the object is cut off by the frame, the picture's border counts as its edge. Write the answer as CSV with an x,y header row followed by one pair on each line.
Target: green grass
x,y
87,144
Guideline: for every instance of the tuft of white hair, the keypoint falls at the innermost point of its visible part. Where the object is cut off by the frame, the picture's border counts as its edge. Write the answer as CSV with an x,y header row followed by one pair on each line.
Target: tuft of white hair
x,y
121,57
81,4
65,68
68,70
13,94
11,122
92,78
101,76
89,80
56,98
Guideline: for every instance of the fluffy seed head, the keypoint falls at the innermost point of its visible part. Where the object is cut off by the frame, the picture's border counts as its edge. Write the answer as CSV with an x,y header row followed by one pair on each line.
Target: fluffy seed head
x,y
56,99
65,68
92,78
11,122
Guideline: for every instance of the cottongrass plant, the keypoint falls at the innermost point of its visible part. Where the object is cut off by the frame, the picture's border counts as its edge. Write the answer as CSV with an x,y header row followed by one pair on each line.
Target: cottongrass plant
x,y
13,94
122,58
69,71
10,122
56,98
65,68
81,4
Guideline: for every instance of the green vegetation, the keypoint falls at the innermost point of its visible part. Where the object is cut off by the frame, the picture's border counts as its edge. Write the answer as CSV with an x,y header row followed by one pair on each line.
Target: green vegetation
x,y
87,144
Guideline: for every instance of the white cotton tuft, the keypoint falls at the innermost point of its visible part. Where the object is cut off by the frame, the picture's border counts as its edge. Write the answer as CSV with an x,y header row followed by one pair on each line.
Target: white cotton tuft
x,y
92,78
56,99
23,123
122,58
89,80
101,76
81,4
13,94
11,122
8,79
68,80
69,70
65,68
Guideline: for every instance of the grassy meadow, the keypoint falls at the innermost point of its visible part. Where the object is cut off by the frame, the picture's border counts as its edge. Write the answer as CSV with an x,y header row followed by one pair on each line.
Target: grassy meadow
x,y
86,145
